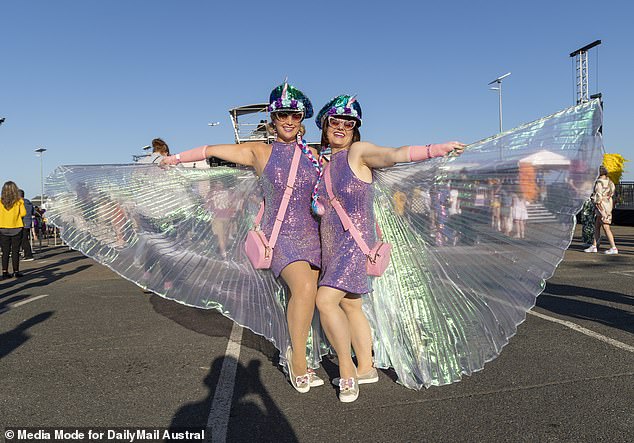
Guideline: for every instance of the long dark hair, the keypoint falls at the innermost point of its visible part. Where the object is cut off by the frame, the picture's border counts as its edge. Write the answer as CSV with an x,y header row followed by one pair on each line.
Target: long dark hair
x,y
160,146
603,171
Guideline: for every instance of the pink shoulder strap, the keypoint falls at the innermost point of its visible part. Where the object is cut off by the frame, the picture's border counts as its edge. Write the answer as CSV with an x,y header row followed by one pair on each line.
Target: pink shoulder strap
x,y
281,212
343,215
258,218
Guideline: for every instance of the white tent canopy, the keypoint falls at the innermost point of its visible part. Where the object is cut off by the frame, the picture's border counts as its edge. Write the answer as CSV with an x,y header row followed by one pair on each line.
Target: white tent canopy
x,y
545,158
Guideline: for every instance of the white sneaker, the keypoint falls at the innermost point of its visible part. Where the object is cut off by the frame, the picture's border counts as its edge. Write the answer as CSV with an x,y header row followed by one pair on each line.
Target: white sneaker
x,y
314,380
300,383
370,377
590,249
612,251
348,390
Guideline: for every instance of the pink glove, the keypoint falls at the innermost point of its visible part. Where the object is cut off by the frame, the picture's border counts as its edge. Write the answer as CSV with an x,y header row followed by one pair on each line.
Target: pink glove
x,y
418,153
193,155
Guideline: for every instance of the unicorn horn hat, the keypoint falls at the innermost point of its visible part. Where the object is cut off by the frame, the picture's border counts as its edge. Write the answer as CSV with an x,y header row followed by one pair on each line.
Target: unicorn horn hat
x,y
286,97
342,105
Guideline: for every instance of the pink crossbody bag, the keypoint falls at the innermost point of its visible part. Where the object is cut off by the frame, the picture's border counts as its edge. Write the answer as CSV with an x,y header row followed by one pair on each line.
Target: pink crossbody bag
x,y
259,250
378,258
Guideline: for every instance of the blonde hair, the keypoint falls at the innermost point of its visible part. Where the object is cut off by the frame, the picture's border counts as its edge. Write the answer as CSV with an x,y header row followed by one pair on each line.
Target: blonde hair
x,y
10,195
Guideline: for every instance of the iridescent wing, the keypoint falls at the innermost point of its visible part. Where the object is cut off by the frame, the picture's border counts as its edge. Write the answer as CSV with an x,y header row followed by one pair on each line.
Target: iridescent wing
x,y
475,237
178,232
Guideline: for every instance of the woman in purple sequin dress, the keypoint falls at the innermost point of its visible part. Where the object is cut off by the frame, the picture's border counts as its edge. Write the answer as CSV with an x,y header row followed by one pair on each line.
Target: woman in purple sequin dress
x,y
343,278
296,256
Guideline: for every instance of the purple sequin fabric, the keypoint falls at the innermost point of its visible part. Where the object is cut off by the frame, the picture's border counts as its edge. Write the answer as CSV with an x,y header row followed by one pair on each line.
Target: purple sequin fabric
x,y
299,236
343,262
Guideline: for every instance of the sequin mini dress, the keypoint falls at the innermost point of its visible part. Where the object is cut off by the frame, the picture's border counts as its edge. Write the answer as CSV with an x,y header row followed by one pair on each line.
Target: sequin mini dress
x,y
343,262
298,239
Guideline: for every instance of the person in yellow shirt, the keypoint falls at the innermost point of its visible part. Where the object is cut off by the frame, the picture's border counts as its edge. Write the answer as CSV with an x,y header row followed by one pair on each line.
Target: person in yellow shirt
x,y
11,212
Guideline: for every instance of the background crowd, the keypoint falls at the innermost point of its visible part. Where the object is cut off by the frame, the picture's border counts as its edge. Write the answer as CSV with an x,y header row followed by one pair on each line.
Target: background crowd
x,y
21,223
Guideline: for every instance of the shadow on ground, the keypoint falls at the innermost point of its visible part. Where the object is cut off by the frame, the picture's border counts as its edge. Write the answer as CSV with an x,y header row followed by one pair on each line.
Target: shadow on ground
x,y
211,323
564,300
253,411
13,339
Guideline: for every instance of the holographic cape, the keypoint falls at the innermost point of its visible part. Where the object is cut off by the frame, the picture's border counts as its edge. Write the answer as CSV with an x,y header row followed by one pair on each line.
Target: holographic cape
x,y
458,284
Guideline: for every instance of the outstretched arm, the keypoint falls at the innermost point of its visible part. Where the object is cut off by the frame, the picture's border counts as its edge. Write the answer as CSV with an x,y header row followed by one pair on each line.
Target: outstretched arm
x,y
374,156
243,154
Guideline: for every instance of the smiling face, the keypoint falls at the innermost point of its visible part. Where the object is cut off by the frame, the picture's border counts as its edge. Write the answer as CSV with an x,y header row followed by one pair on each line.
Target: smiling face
x,y
287,125
340,131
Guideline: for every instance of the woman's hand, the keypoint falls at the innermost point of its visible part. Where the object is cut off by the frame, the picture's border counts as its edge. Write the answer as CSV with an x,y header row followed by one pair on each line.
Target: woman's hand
x,y
450,148
168,160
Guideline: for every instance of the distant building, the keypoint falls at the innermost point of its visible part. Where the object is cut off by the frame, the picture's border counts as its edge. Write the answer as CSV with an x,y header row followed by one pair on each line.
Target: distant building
x,y
37,201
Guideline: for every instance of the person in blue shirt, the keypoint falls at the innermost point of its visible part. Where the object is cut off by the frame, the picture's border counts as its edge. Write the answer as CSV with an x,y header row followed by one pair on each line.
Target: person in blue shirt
x,y
26,230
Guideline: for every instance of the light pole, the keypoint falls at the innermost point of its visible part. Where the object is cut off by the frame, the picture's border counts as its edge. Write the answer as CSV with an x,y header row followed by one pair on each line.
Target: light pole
x,y
210,159
499,89
40,152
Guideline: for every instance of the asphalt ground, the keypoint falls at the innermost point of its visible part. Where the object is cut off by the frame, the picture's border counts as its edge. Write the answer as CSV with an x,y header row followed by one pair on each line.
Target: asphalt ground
x,y
81,347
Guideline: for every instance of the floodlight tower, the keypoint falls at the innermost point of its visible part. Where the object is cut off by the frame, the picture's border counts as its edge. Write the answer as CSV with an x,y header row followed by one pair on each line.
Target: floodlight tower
x,y
581,55
498,88
40,153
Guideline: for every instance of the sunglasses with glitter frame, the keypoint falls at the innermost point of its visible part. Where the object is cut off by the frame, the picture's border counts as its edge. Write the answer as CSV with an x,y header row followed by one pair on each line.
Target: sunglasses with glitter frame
x,y
281,116
338,123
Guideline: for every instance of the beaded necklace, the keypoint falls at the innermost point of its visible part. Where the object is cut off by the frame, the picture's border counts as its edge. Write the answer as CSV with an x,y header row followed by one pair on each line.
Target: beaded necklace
x,y
315,204
316,164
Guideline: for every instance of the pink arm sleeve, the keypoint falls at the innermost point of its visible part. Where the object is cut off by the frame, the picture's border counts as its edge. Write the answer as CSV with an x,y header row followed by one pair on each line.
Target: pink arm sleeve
x,y
193,155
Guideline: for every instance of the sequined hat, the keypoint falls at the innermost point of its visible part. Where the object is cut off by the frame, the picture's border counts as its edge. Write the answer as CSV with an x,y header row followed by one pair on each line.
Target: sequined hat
x,y
288,98
344,105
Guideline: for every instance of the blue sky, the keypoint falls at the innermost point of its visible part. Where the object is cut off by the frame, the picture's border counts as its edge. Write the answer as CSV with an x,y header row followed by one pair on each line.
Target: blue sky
x,y
93,82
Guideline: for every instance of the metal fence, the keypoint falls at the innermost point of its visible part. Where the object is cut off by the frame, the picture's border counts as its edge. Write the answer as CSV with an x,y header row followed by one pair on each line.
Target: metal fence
x,y
624,195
